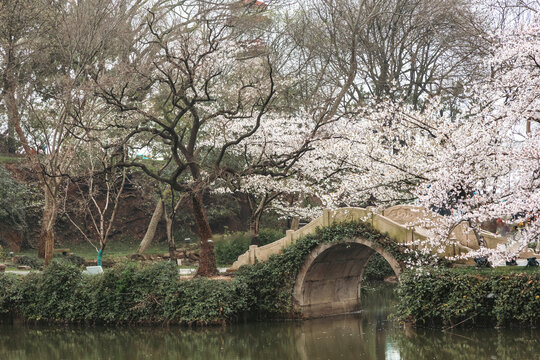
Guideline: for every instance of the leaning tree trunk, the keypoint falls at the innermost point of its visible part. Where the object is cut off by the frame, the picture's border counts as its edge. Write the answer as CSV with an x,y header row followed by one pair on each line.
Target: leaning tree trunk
x,y
152,227
207,261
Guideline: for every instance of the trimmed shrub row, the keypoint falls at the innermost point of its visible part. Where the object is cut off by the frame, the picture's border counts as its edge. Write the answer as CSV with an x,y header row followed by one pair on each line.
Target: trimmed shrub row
x,y
128,293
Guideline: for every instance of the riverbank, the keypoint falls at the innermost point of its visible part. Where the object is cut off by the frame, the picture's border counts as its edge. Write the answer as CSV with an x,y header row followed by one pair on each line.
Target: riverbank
x,y
367,335
135,293
468,297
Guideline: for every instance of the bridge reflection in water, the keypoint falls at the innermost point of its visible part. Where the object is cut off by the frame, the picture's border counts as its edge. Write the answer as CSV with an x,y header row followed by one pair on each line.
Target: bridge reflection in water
x,y
366,335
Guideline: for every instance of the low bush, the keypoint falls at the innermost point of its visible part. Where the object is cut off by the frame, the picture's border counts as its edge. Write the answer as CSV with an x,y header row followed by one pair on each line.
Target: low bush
x,y
33,262
451,297
71,258
232,246
267,236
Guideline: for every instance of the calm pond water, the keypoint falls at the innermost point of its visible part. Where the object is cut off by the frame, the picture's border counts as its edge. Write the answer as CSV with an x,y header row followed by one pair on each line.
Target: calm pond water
x,y
367,335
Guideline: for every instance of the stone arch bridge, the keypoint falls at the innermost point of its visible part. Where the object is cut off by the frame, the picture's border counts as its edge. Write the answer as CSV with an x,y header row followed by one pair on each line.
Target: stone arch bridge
x,y
329,281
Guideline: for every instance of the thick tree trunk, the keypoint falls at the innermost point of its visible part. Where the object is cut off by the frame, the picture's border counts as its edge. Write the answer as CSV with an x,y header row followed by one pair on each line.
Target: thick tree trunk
x,y
50,210
207,262
295,223
152,227
254,227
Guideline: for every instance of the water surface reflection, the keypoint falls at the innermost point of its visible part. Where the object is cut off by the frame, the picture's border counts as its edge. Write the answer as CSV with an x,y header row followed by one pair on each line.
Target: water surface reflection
x,y
367,335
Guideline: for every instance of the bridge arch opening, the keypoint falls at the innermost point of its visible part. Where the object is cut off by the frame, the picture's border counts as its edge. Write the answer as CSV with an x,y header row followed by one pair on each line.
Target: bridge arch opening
x,y
330,279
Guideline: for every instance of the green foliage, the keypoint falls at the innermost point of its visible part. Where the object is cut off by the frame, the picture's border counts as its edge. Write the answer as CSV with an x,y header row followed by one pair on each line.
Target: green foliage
x,y
377,269
207,301
230,247
269,235
31,261
449,298
271,282
233,245
128,293
12,201
2,253
518,298
73,259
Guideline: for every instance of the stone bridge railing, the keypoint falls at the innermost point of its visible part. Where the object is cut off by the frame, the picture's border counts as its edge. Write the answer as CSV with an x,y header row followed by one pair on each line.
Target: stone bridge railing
x,y
396,221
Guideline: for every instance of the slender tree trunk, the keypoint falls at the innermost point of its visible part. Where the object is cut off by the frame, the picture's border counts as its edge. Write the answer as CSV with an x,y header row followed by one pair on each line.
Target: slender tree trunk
x,y
479,237
256,215
11,142
170,235
207,262
48,219
152,227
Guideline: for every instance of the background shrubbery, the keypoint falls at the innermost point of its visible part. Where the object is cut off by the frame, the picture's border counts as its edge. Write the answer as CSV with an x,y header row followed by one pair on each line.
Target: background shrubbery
x,y
31,261
377,269
231,246
454,296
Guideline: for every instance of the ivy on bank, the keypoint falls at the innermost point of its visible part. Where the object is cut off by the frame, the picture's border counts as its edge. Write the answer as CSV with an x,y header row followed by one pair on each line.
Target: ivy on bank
x,y
450,297
133,293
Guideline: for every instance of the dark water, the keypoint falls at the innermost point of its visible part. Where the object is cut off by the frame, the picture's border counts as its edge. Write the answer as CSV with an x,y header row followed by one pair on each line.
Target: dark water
x,y
363,336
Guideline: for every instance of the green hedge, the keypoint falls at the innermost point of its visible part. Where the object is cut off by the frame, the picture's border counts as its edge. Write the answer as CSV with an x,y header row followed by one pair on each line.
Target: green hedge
x,y
452,297
128,293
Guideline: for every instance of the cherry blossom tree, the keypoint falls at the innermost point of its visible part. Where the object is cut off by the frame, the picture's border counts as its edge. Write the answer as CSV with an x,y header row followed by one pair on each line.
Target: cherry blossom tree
x,y
490,167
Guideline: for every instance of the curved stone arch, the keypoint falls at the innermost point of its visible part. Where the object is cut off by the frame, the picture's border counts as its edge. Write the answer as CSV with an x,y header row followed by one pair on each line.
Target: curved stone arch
x,y
330,279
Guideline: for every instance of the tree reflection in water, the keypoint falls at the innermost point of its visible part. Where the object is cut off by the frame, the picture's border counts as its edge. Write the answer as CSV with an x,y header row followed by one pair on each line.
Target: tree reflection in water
x,y
367,335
